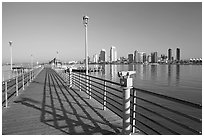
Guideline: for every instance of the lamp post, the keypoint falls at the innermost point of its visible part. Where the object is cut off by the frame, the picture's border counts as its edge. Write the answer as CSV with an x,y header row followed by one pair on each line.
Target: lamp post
x,y
10,43
31,61
85,22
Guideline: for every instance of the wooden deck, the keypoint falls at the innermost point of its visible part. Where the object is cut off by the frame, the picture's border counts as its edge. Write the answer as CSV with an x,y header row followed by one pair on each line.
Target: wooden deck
x,y
48,106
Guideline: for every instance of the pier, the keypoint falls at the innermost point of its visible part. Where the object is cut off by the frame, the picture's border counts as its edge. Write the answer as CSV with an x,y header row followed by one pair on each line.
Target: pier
x,y
47,106
46,101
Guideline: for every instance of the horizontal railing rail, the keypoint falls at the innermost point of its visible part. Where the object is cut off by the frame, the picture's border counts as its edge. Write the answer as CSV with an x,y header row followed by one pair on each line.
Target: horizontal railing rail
x,y
188,103
151,113
11,87
102,91
167,117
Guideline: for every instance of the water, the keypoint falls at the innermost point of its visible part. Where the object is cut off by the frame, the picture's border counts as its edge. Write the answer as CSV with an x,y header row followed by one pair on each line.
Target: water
x,y
179,81
7,73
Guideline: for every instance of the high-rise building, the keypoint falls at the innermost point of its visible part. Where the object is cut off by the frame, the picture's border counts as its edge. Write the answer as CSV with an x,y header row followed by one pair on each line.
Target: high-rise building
x,y
144,57
178,54
149,58
154,57
169,54
95,58
136,56
113,54
102,57
130,58
140,57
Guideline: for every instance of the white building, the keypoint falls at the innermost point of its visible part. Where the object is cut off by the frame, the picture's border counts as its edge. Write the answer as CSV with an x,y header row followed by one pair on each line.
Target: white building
x,y
140,57
113,54
95,58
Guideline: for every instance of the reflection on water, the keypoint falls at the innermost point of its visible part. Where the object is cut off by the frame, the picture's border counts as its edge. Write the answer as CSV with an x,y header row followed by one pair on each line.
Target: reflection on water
x,y
165,79
153,72
113,72
103,69
130,67
177,75
169,74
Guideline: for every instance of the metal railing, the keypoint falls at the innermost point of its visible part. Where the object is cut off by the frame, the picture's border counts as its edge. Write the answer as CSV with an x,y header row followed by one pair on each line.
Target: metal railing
x,y
104,91
151,113
155,113
11,87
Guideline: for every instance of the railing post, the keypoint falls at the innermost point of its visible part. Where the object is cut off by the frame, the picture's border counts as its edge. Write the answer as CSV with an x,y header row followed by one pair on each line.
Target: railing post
x,y
34,74
73,78
66,79
30,75
126,84
17,85
23,79
89,87
27,78
70,77
104,96
79,81
134,111
6,100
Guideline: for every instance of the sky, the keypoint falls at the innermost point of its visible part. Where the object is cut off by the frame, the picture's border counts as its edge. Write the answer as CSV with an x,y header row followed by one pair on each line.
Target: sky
x,y
42,29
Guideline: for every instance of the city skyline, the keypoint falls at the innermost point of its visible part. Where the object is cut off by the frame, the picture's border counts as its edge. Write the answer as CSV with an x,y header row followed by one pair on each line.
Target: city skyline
x,y
108,57
41,29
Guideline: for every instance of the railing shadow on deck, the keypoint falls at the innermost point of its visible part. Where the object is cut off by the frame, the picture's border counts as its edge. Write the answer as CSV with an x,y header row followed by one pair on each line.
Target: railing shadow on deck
x,y
56,90
89,105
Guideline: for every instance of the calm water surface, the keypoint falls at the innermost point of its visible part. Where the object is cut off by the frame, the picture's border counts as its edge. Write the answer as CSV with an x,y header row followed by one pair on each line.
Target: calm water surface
x,y
180,81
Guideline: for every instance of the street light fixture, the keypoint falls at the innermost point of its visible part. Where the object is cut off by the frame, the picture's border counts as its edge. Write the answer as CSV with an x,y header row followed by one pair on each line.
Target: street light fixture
x,y
85,22
10,44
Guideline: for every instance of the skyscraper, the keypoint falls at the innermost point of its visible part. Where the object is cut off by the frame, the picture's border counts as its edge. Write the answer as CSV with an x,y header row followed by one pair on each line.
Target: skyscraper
x,y
149,58
136,56
102,57
130,58
169,54
113,54
95,58
140,57
144,57
154,57
178,54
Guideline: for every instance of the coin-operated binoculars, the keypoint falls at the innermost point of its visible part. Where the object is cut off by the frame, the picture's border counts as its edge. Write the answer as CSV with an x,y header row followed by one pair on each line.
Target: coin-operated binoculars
x,y
126,84
125,79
